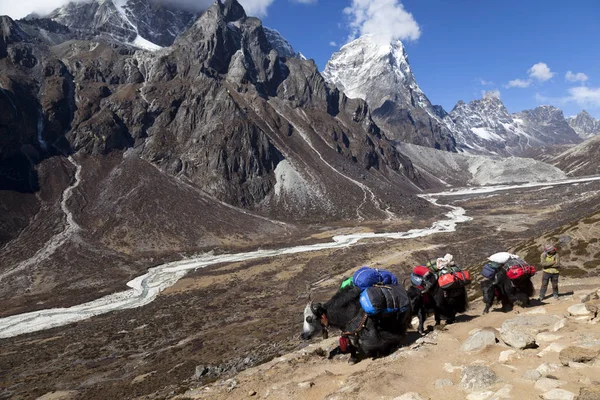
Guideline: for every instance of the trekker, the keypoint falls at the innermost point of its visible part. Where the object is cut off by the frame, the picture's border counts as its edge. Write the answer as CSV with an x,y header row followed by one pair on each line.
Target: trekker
x,y
550,264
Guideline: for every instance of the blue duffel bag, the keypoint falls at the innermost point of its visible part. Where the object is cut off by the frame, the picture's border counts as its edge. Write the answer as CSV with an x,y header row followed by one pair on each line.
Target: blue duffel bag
x,y
384,300
489,271
366,277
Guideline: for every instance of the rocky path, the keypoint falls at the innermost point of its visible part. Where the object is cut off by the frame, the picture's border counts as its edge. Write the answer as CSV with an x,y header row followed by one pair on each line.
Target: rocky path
x,y
548,351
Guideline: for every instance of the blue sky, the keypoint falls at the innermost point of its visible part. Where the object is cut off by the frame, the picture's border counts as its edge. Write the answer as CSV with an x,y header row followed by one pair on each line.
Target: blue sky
x,y
466,46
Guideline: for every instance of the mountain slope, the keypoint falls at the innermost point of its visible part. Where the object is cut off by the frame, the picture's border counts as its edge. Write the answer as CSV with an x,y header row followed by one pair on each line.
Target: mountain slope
x,y
462,169
584,124
380,74
217,133
580,160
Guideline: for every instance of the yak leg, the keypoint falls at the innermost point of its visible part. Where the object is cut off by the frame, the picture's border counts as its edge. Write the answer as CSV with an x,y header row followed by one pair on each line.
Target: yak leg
x,y
422,316
335,352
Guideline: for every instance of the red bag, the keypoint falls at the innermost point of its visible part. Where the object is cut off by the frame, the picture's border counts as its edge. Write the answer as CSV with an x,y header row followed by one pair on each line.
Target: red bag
x,y
516,272
420,270
454,280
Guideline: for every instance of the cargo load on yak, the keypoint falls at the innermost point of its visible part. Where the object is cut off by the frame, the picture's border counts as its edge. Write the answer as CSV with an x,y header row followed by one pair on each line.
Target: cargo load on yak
x,y
517,269
454,278
366,277
384,299
422,277
490,270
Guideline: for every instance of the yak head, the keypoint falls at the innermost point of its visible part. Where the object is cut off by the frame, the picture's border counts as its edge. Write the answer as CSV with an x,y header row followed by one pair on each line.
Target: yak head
x,y
312,321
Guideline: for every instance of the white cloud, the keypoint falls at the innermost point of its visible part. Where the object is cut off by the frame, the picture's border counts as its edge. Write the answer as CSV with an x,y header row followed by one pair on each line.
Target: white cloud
x,y
490,93
581,95
483,82
21,8
541,72
520,83
333,44
305,1
576,77
585,96
256,8
384,18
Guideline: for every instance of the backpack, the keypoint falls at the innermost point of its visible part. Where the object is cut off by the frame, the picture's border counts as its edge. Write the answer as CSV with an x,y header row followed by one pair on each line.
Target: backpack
x,y
519,272
454,280
384,299
366,277
489,271
422,277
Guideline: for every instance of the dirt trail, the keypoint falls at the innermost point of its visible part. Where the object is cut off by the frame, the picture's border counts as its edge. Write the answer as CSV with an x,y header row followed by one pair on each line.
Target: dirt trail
x,y
416,367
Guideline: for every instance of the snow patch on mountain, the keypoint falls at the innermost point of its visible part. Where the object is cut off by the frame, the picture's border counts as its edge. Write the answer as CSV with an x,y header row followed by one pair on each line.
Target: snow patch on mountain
x,y
280,44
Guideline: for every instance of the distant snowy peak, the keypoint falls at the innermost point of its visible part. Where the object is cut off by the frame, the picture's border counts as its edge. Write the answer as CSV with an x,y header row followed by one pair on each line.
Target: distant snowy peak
x,y
280,44
374,71
584,124
485,126
379,73
142,23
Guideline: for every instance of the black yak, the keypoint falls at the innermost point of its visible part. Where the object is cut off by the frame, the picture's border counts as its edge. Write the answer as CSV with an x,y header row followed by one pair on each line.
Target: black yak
x,y
362,335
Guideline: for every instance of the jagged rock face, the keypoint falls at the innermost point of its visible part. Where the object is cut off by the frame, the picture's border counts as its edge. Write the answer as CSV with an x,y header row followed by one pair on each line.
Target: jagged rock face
x,y
548,125
380,74
584,124
485,126
221,109
153,21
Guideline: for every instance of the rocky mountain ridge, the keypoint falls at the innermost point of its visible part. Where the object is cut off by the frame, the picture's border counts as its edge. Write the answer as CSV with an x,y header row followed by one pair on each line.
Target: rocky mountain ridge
x,y
380,73
584,124
485,126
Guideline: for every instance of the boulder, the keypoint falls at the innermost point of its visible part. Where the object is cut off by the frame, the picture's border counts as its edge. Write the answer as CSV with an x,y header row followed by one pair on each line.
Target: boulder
x,y
547,384
480,340
508,355
477,377
518,339
593,307
410,396
532,375
547,368
553,348
520,332
589,296
559,325
578,310
441,383
558,394
546,337
578,355
480,395
589,393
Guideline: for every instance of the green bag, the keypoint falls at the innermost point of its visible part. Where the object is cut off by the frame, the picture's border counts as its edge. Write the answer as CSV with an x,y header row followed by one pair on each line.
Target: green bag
x,y
347,282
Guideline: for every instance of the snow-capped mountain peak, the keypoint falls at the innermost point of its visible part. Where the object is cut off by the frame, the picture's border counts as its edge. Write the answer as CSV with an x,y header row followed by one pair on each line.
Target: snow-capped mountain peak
x,y
142,23
380,73
373,70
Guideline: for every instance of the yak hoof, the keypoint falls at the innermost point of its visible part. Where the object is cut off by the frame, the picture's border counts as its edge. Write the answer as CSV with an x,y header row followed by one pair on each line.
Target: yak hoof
x,y
486,310
353,360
